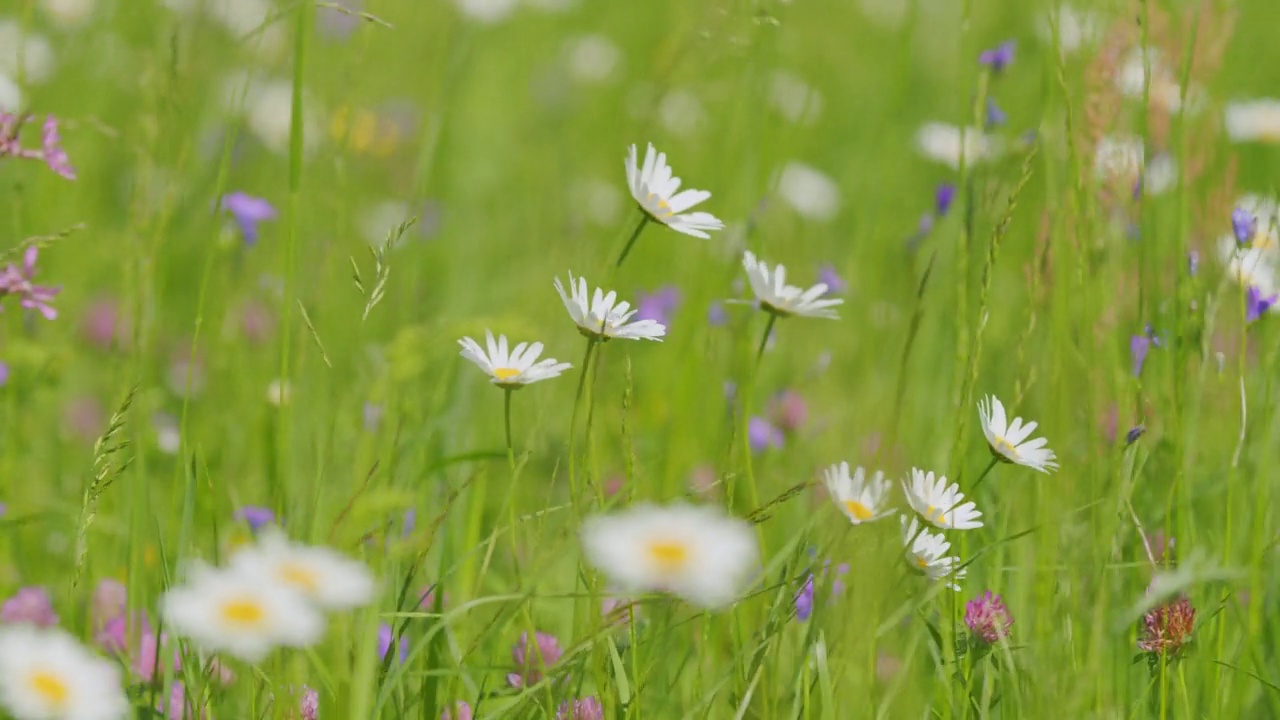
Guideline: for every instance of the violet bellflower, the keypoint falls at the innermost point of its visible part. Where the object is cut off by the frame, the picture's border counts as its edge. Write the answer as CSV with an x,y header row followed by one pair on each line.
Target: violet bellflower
x,y
247,211
828,276
18,281
804,599
1244,225
1256,305
999,57
386,634
995,117
1139,346
1134,433
763,435
255,516
943,197
659,305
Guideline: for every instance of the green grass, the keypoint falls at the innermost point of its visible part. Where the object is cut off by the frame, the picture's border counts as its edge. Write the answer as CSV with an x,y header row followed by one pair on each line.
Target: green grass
x,y
1030,288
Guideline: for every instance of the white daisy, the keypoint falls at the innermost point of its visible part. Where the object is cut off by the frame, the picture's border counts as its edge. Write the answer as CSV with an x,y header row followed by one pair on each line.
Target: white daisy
x,y
324,577
927,554
602,317
511,370
809,191
779,298
859,500
1253,120
1253,267
1008,440
240,613
655,188
695,552
947,143
46,675
939,503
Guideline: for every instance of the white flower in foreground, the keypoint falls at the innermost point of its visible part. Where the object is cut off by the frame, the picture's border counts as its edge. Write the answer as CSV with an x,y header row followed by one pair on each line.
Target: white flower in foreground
x,y
1253,267
1119,157
46,675
324,577
809,191
657,191
1164,90
1076,28
859,500
939,503
695,552
602,317
776,296
1253,120
927,554
513,369
243,614
1008,440
947,143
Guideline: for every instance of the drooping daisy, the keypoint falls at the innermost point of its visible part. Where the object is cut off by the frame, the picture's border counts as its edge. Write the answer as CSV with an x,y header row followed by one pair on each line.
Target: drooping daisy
x,y
657,191
245,614
947,144
602,317
326,578
927,554
513,369
695,552
1008,440
1253,120
861,501
939,503
779,298
46,675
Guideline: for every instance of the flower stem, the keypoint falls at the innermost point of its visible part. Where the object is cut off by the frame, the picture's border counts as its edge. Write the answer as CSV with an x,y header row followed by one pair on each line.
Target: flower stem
x,y
635,235
573,421
764,340
506,412
983,476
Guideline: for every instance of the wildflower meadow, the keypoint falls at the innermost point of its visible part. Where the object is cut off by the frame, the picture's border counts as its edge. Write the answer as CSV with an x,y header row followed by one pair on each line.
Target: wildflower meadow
x,y
573,359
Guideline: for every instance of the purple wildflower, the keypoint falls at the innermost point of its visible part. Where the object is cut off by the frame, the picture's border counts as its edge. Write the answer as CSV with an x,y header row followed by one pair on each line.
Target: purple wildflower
x,y
995,116
530,665
461,711
587,708
837,583
4,373
1139,345
788,411
107,615
943,197
828,276
762,434
51,149
309,704
1134,433
247,211
1167,627
256,516
1193,262
659,305
716,315
29,605
804,600
1161,547
988,618
1256,304
1244,225
999,57
15,281
385,635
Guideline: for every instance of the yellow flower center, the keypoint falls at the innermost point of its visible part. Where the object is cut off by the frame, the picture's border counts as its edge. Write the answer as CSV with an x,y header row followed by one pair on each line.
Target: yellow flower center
x,y
935,514
243,612
668,555
921,562
659,209
503,374
858,510
51,688
300,576
1003,446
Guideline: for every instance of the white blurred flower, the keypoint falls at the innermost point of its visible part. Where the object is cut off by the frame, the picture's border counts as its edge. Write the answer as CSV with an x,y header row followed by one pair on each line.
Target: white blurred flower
x,y
245,615
323,577
1254,120
809,191
1160,175
168,433
793,98
269,109
680,112
1076,28
885,14
597,200
947,143
70,13
278,392
553,5
25,52
1118,157
45,674
10,94
1165,92
381,218
487,11
695,552
591,58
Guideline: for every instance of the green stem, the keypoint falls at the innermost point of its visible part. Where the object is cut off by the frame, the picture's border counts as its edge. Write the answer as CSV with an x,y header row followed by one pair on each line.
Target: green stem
x,y
635,235
506,412
573,420
764,340
983,476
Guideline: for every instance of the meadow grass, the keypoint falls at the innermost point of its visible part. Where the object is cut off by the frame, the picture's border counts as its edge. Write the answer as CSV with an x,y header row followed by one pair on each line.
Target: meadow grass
x,y
135,425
